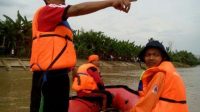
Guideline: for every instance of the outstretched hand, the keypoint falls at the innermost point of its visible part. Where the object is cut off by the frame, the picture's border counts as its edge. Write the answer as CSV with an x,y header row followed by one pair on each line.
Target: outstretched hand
x,y
123,5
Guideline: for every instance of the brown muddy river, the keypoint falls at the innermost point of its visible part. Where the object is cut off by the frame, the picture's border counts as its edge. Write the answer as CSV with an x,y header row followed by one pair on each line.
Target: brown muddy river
x,y
15,86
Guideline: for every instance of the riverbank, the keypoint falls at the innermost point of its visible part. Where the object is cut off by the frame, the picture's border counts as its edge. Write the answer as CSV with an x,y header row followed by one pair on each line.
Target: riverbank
x,y
23,64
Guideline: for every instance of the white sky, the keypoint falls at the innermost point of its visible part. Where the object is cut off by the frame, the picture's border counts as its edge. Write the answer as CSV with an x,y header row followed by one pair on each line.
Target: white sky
x,y
174,22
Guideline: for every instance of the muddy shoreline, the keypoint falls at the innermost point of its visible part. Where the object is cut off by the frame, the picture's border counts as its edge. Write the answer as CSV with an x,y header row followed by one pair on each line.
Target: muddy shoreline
x,y
23,64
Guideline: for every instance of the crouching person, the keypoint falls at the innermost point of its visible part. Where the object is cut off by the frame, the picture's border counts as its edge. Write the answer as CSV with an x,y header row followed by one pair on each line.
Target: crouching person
x,y
88,84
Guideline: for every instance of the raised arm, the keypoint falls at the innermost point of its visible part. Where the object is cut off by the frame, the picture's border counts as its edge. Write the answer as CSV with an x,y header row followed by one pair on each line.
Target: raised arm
x,y
90,7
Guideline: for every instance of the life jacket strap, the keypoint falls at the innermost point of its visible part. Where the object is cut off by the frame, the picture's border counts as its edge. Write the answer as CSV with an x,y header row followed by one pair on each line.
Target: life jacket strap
x,y
57,35
58,56
78,77
78,74
172,101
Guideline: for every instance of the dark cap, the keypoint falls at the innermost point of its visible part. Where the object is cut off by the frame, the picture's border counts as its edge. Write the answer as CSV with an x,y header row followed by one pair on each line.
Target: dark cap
x,y
154,44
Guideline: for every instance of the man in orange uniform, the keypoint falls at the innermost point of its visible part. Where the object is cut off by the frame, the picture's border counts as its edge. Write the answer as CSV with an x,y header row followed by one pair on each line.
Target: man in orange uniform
x,y
53,51
88,83
161,88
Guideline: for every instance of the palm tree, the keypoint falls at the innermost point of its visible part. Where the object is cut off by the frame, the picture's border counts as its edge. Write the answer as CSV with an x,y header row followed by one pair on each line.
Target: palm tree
x,y
90,42
17,35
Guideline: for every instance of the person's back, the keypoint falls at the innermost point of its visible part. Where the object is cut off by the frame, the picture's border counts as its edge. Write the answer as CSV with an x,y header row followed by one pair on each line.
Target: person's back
x,y
52,36
87,78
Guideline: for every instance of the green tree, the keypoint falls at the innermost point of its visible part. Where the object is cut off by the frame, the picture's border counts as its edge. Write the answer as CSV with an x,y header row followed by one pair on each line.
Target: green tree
x,y
17,35
90,42
185,57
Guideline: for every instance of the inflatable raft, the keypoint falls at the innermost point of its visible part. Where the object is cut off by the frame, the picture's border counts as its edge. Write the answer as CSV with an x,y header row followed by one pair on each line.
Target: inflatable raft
x,y
123,100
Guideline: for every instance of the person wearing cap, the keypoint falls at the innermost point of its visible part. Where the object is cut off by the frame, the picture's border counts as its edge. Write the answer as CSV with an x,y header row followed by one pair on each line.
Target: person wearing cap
x,y
88,83
53,54
161,88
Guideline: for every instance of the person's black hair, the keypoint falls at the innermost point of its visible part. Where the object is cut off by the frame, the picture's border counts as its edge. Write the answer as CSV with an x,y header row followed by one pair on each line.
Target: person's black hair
x,y
45,2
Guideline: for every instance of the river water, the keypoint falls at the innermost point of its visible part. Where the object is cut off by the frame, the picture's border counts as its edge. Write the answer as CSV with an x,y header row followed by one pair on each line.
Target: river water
x,y
15,86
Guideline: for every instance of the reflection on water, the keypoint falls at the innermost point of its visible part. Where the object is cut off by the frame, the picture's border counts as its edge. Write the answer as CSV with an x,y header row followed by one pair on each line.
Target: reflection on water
x,y
15,86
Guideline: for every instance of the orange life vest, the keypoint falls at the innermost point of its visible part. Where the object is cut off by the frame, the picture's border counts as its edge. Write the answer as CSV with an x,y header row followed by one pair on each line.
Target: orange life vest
x,y
83,81
51,50
173,94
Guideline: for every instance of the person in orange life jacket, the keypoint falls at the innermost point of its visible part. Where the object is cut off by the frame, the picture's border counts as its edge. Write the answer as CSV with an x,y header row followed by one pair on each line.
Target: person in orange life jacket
x,y
89,85
161,88
53,52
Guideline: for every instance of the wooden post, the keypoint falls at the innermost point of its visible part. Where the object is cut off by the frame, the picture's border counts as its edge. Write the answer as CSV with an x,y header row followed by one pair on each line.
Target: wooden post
x,y
20,62
8,67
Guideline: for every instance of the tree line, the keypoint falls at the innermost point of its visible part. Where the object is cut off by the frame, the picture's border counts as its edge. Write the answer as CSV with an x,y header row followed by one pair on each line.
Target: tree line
x,y
15,40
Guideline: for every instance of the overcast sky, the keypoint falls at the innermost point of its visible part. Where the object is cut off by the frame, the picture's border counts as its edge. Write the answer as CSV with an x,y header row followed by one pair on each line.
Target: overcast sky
x,y
174,22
